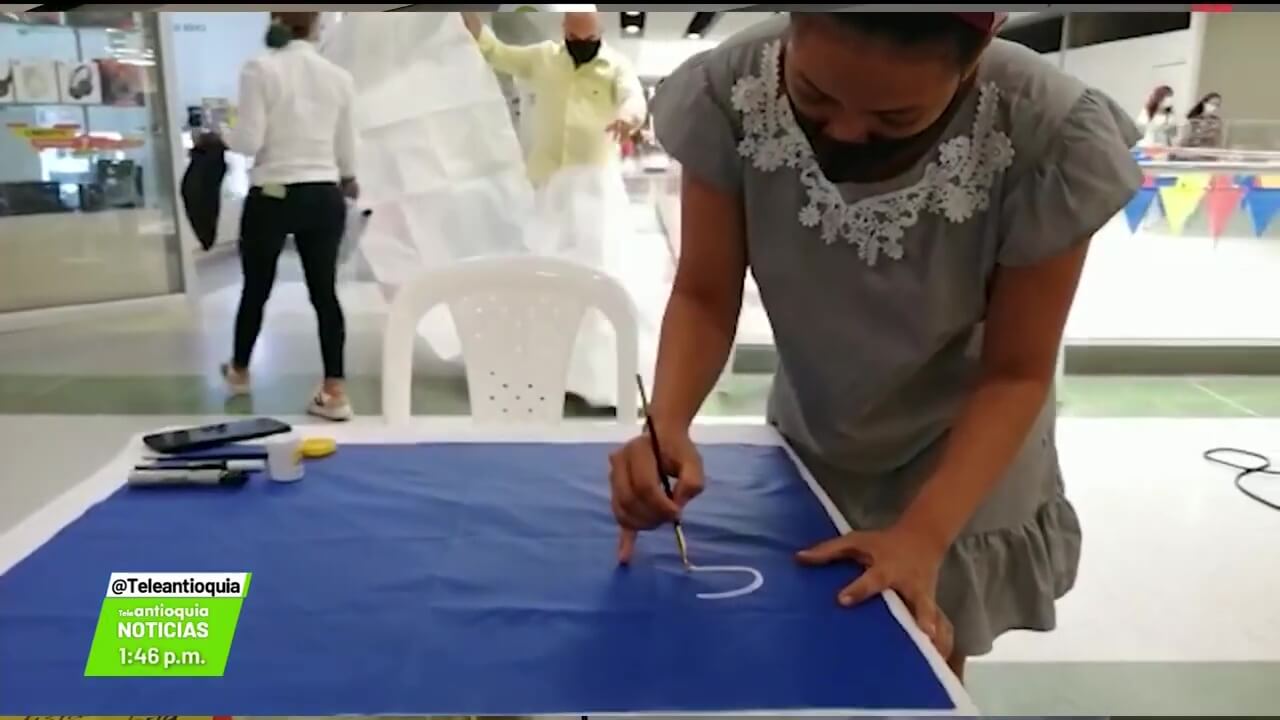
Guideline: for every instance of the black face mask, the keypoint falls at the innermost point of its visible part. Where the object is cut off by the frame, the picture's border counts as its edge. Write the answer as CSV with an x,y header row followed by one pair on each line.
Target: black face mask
x,y
582,51
278,36
844,161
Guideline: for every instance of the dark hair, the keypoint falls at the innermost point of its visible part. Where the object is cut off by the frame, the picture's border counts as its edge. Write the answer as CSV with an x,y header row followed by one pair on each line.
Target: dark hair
x,y
299,24
1157,96
917,30
1198,109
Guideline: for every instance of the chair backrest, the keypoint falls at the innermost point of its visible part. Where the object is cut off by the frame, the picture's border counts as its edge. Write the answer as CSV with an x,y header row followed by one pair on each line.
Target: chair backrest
x,y
517,319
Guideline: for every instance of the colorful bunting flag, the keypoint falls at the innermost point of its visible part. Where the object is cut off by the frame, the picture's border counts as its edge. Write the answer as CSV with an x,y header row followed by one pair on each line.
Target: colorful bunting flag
x,y
1271,182
1181,200
1263,204
1222,202
1138,207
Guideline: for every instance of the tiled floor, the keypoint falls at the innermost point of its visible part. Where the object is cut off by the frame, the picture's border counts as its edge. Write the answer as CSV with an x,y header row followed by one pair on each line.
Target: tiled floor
x,y
32,392
1152,511
1125,688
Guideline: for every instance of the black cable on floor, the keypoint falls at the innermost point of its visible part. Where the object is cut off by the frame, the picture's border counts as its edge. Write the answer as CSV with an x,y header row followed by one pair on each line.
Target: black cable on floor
x,y
1247,464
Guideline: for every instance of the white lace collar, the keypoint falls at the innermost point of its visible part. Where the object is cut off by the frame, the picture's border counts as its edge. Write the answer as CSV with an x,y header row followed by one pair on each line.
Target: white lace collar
x,y
955,185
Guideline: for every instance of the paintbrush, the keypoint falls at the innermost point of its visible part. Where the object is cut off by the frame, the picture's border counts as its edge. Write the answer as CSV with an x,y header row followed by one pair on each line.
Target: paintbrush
x,y
662,474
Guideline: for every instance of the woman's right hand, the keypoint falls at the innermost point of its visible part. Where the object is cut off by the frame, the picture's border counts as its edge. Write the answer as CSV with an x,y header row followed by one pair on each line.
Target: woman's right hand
x,y
639,501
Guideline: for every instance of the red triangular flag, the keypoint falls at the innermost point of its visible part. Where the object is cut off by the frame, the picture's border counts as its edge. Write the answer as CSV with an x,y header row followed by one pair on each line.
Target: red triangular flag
x,y
1221,203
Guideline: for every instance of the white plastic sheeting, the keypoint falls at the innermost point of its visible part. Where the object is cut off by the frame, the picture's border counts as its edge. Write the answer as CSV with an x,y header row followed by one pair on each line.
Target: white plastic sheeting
x,y
443,172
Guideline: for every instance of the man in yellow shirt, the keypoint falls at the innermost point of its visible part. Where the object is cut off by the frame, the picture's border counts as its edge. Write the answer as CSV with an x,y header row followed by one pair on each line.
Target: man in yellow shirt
x,y
586,100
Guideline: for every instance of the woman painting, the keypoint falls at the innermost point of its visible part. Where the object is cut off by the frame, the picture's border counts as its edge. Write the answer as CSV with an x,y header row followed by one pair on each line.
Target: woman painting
x,y
915,200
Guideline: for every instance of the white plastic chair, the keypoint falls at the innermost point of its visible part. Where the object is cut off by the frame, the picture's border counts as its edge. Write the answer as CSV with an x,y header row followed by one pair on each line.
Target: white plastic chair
x,y
517,319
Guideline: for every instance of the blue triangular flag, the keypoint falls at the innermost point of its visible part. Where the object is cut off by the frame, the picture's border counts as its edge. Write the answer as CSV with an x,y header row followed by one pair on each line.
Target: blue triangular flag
x,y
1137,208
1263,204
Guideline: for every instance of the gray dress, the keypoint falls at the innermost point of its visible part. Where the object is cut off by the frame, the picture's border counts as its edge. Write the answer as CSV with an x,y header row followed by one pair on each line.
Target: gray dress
x,y
877,292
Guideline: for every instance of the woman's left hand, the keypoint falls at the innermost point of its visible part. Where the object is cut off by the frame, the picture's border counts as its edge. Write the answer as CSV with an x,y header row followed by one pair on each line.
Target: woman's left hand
x,y
895,559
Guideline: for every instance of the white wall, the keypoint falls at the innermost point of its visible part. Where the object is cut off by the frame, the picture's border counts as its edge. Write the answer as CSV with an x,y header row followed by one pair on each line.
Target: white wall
x,y
658,58
209,50
1128,70
1241,59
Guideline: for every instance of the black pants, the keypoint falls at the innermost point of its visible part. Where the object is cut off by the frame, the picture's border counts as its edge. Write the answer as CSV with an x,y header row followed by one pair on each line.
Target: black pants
x,y
315,214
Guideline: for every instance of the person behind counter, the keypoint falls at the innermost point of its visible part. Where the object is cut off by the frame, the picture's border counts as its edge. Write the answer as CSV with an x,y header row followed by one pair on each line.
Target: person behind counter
x,y
915,200
295,121
1204,126
1157,122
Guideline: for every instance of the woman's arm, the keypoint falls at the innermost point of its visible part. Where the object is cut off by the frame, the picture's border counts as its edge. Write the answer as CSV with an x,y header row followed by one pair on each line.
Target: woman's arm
x,y
347,140
1025,320
701,319
697,332
250,131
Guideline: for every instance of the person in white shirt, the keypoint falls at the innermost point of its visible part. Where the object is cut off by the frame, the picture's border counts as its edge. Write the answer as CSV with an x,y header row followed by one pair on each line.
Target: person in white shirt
x,y
295,121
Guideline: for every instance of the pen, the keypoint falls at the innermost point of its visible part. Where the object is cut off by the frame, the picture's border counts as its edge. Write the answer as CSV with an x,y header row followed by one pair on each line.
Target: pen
x,y
662,475
184,477
203,464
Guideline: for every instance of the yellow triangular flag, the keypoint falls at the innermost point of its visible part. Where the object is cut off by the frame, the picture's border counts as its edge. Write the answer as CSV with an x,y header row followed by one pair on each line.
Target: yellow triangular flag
x,y
1179,203
1194,181
1271,182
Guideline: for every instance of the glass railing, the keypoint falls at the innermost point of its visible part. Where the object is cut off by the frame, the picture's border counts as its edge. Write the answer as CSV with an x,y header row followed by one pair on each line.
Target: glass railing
x,y
1221,138
1193,259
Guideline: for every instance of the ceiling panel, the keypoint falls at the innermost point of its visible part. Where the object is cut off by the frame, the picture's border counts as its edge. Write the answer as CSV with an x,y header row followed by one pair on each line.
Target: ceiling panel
x,y
731,23
671,25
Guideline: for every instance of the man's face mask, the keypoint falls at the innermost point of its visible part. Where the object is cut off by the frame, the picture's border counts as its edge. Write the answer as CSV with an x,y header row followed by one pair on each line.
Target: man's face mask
x,y
582,50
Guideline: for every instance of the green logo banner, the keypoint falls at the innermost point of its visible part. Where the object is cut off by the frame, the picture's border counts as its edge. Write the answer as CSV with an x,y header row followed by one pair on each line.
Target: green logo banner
x,y
167,624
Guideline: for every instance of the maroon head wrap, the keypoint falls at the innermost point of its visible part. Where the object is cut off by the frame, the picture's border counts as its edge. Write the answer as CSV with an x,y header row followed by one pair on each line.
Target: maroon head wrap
x,y
987,22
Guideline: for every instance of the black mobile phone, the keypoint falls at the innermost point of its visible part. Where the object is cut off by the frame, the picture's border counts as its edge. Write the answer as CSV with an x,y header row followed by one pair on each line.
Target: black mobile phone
x,y
211,436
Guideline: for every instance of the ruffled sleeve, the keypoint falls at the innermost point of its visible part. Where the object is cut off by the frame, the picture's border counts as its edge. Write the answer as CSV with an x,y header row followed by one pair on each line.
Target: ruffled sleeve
x,y
694,124
1081,179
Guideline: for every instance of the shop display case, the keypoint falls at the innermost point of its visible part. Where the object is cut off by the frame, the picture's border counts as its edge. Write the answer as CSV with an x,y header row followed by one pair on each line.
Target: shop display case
x,y
87,210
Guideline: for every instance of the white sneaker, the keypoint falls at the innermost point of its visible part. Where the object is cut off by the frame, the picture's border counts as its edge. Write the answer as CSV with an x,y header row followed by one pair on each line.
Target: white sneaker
x,y
237,381
329,407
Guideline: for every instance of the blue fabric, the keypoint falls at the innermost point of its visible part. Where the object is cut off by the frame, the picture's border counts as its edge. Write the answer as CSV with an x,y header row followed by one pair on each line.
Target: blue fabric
x,y
467,579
